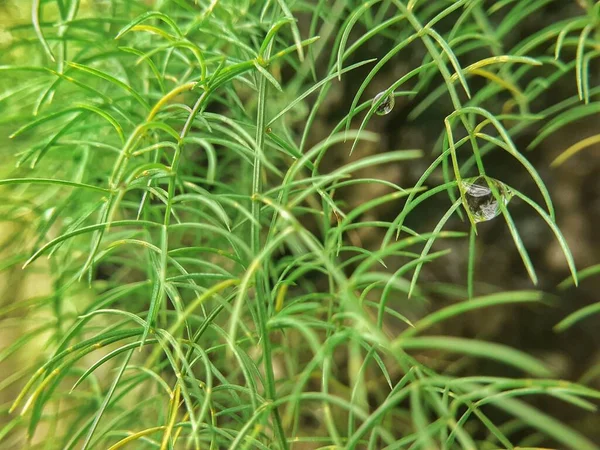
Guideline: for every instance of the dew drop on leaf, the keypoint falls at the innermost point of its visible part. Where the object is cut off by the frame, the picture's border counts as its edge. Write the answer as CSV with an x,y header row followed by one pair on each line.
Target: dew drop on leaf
x,y
386,105
480,198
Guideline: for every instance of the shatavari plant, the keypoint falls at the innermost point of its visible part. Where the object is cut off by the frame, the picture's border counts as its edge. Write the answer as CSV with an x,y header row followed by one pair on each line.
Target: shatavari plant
x,y
214,236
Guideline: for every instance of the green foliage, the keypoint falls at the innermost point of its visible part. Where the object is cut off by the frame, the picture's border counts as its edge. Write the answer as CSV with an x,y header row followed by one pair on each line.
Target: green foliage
x,y
208,288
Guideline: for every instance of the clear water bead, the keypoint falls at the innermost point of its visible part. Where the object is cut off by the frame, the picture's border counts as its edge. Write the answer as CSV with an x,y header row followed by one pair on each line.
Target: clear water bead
x,y
480,198
386,105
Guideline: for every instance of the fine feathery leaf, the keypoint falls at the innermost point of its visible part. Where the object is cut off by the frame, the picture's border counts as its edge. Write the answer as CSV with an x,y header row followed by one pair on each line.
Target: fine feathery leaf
x,y
273,224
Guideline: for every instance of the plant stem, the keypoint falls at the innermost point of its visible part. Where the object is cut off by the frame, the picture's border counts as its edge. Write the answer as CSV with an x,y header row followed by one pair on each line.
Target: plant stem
x,y
261,294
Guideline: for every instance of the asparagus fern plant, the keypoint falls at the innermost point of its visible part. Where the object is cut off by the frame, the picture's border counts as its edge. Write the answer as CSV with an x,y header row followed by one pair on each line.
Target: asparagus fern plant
x,y
177,179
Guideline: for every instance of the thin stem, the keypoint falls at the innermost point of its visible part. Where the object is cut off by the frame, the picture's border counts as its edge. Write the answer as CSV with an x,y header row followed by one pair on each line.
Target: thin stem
x,y
255,246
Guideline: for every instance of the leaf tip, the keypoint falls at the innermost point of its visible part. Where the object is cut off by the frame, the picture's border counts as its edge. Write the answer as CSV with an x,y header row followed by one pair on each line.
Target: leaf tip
x,y
557,162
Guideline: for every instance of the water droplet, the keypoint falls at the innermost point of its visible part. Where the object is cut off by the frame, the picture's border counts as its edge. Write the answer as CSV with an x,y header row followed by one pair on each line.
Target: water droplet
x,y
386,105
48,213
480,198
